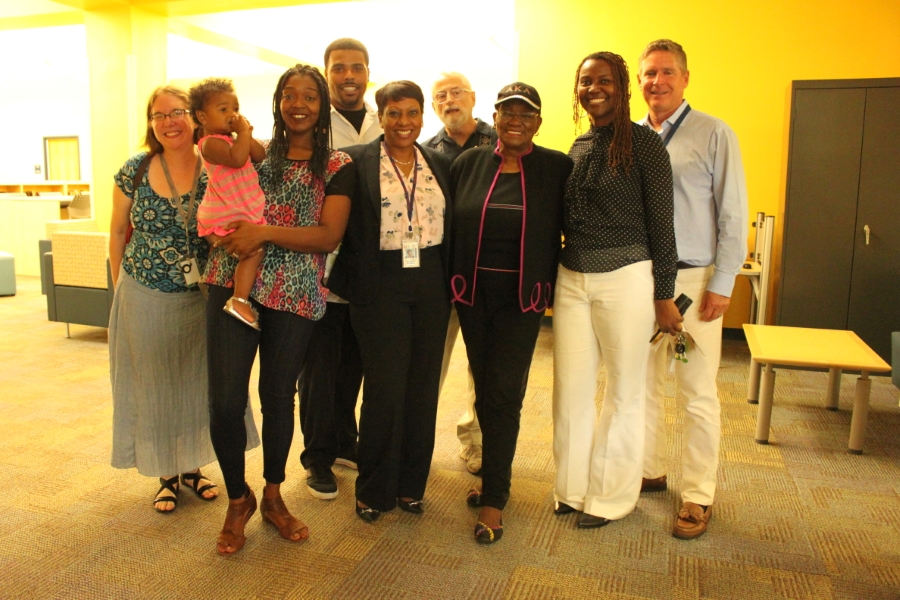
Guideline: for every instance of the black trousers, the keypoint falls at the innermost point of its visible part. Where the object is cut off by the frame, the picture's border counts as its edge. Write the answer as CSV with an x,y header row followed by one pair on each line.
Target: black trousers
x,y
401,339
328,387
500,342
231,350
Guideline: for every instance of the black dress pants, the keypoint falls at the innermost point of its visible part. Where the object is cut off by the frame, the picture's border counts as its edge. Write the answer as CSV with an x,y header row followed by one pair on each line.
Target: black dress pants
x,y
231,350
500,341
329,387
401,339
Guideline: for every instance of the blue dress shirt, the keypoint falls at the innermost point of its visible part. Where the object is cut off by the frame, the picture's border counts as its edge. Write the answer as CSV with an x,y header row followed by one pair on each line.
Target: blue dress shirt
x,y
710,195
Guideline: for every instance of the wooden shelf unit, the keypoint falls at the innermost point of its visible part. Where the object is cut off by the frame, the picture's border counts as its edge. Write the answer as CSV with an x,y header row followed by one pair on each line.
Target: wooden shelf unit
x,y
66,188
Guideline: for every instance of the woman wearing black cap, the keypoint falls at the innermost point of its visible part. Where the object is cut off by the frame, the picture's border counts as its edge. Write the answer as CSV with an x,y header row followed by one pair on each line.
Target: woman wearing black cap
x,y
506,241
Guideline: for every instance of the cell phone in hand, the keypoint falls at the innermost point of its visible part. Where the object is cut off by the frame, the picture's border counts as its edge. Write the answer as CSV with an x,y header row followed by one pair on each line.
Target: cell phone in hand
x,y
682,303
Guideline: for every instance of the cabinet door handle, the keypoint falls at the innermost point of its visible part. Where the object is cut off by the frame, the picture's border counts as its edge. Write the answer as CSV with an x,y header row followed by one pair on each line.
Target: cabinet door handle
x,y
868,231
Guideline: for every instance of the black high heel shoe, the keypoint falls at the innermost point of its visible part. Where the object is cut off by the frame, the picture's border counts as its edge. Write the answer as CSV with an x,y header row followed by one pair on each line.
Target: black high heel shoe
x,y
416,507
369,515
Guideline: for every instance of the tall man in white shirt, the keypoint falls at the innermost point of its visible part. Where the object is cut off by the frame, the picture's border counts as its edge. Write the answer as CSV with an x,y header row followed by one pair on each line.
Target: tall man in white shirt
x,y
711,235
332,370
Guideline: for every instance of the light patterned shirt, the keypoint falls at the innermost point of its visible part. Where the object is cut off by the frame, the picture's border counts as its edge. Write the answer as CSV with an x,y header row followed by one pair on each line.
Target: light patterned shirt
x,y
428,208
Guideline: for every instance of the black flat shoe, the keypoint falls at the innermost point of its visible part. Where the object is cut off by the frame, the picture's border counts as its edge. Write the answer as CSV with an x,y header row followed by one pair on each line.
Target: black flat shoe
x,y
416,507
563,509
473,498
369,515
586,521
485,534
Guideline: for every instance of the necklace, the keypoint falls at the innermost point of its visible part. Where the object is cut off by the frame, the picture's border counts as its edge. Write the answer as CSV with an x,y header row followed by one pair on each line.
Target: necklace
x,y
400,162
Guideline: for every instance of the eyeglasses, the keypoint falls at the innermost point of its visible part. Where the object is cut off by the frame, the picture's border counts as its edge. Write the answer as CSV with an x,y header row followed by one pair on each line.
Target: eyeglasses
x,y
525,117
178,113
454,94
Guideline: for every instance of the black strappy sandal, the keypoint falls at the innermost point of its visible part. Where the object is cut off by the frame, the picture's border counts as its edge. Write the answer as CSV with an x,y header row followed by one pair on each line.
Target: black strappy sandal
x,y
170,484
192,480
485,534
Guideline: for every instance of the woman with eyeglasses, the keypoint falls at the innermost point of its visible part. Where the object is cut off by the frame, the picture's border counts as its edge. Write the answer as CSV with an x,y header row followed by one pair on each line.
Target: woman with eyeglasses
x,y
157,336
393,269
508,215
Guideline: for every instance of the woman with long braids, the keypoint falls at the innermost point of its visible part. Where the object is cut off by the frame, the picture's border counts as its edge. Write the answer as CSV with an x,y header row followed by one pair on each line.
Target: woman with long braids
x,y
307,188
617,270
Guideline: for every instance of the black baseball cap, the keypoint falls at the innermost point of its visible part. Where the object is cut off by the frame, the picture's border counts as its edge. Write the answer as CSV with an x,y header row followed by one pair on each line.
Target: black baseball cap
x,y
519,91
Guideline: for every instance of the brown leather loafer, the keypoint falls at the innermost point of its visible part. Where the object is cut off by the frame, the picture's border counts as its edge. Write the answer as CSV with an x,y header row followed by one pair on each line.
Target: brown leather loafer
x,y
691,521
654,485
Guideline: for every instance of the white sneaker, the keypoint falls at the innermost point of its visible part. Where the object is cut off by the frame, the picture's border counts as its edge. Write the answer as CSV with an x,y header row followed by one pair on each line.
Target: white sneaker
x,y
472,456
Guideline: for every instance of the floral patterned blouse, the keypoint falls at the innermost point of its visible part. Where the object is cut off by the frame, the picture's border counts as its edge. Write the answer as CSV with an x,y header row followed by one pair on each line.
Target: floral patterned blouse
x,y
428,208
158,241
288,280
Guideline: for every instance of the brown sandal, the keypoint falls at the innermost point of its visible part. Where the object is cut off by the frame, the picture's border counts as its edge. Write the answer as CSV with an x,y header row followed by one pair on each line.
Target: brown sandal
x,y
236,517
275,512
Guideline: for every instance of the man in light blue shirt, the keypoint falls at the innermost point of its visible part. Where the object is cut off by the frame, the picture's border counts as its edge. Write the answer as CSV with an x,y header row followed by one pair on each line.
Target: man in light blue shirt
x,y
711,236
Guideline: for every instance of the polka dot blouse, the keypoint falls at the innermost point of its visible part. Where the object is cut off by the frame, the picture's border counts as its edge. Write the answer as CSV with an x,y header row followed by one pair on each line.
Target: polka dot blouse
x,y
612,219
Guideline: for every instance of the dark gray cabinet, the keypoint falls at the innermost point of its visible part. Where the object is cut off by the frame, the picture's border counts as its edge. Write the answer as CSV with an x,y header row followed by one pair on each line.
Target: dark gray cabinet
x,y
840,264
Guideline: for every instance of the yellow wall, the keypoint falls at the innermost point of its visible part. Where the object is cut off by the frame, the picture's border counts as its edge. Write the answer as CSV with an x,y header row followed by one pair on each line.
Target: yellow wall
x,y
742,57
127,52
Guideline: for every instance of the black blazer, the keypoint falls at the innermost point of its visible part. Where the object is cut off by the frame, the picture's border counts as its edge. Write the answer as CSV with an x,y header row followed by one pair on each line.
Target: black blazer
x,y
544,172
355,276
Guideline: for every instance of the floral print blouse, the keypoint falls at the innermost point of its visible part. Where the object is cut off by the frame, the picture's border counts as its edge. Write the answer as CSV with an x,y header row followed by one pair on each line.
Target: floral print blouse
x,y
287,280
428,209
158,242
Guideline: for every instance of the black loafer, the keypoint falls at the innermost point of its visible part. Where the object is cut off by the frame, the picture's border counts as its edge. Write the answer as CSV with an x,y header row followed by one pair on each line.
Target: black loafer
x,y
416,507
586,521
563,509
369,515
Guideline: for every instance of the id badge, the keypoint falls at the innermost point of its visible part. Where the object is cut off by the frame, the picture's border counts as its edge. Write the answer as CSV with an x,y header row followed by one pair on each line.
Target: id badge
x,y
189,270
410,251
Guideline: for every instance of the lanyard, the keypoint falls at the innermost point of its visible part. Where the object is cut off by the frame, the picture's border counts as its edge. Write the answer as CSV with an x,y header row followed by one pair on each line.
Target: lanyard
x,y
676,125
409,194
186,213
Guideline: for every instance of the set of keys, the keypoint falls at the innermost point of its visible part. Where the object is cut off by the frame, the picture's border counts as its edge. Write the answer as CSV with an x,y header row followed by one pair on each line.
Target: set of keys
x,y
680,347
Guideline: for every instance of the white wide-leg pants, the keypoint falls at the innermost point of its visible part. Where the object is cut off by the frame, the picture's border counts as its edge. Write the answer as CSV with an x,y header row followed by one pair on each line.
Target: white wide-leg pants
x,y
608,317
696,384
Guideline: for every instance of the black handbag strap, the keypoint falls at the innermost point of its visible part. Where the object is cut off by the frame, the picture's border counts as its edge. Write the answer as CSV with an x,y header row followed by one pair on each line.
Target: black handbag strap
x,y
142,168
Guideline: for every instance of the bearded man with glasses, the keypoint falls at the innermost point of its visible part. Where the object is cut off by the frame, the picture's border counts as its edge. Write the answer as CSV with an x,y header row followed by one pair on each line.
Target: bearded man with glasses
x,y
453,101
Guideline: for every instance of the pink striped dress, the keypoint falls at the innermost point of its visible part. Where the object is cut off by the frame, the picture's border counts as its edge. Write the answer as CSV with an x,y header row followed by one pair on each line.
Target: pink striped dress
x,y
231,195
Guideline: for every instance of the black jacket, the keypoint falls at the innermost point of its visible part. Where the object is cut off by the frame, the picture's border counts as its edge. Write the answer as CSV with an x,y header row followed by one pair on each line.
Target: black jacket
x,y
545,172
354,276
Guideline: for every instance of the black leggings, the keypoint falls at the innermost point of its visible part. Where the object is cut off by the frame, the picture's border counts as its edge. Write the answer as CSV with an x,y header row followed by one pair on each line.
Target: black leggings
x,y
231,350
